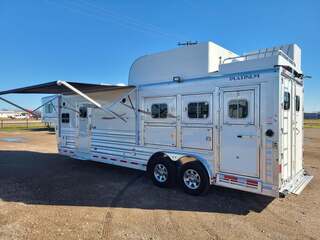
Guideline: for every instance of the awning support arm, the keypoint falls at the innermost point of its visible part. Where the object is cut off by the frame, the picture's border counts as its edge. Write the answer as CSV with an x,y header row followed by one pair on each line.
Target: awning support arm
x,y
67,85
17,106
135,111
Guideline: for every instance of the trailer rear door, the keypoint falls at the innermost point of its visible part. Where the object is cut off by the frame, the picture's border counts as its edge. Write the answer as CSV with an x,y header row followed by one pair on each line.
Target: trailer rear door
x,y
298,128
239,131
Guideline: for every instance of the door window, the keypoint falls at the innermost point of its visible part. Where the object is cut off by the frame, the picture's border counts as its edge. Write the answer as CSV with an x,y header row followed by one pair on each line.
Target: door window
x,y
159,110
48,108
198,110
83,112
238,108
286,102
65,117
297,103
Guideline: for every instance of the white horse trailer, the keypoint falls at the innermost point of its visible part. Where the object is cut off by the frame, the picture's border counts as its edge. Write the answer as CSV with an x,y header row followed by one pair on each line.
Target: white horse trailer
x,y
199,115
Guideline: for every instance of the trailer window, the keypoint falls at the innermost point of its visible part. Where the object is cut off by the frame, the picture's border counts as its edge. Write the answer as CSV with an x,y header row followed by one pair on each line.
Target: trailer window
x,y
65,117
48,108
198,110
297,103
82,112
159,110
238,108
286,102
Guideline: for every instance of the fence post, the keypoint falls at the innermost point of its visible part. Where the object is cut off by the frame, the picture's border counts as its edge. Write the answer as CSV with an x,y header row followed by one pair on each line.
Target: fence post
x,y
27,123
2,123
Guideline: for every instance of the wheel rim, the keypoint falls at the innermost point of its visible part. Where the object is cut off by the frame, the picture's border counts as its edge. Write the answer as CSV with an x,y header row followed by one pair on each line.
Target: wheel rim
x,y
160,172
192,179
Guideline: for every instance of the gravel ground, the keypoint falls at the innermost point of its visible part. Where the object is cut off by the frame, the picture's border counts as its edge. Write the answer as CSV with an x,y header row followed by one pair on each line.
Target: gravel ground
x,y
47,196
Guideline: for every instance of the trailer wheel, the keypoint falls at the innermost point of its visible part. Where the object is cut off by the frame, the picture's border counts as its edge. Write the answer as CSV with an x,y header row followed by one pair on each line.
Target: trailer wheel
x,y
194,178
162,172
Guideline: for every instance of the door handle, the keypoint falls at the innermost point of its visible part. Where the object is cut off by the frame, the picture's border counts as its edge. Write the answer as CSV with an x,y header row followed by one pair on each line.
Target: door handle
x,y
246,136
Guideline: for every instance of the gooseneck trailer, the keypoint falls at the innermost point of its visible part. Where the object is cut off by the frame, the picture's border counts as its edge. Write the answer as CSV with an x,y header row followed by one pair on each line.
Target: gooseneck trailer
x,y
198,115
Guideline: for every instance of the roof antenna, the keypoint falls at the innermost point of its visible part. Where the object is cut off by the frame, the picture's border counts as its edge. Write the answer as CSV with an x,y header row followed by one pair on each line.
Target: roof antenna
x,y
187,43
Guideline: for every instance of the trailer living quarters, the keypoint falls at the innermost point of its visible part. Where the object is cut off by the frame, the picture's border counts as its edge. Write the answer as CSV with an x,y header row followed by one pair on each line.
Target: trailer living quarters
x,y
200,115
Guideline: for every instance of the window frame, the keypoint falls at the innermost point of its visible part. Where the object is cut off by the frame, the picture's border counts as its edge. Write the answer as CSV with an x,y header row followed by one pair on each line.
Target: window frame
x,y
298,103
159,113
198,108
48,109
237,103
65,118
81,113
286,100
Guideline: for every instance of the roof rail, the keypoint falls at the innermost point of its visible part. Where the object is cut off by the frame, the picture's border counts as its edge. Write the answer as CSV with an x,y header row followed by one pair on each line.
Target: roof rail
x,y
260,54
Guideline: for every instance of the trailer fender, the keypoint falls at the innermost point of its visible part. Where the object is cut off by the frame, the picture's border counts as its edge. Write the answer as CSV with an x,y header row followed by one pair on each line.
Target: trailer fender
x,y
181,159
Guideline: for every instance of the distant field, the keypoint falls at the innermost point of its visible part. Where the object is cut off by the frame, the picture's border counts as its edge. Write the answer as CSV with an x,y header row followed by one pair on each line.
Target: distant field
x,y
20,124
312,123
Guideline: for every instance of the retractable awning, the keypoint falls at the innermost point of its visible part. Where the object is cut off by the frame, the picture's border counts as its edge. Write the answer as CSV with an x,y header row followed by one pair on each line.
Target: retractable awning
x,y
56,88
67,88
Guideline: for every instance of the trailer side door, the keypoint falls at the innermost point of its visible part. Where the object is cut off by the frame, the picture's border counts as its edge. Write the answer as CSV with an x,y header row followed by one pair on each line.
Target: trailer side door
x,y
239,131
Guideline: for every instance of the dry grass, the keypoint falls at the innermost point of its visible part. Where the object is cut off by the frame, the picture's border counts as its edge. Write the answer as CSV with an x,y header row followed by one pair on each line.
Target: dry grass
x,y
312,123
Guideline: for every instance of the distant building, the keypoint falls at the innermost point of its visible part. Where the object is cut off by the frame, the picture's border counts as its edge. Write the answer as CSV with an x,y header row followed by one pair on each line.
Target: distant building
x,y
314,115
7,114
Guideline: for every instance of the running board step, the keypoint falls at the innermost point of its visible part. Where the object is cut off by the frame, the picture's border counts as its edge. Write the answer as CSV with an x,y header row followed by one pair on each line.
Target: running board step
x,y
301,185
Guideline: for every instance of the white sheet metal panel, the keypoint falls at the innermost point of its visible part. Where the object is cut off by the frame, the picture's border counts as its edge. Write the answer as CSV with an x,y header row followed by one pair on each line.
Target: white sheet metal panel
x,y
159,135
186,62
197,138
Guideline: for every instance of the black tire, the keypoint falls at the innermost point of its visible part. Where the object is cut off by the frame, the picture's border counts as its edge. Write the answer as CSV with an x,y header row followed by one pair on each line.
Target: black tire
x,y
170,168
202,179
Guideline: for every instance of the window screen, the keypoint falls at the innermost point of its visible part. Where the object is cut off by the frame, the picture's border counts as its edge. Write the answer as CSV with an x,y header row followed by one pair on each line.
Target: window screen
x,y
297,103
286,102
198,110
82,112
238,108
159,110
65,117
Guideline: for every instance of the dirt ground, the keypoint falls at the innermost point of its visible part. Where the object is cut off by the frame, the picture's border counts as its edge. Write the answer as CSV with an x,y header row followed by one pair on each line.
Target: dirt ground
x,y
47,196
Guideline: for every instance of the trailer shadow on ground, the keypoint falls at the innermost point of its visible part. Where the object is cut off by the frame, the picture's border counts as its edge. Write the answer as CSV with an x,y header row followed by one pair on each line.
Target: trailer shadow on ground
x,y
52,179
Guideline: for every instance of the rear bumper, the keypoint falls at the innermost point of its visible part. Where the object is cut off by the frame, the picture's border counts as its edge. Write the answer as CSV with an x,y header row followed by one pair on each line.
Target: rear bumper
x,y
246,184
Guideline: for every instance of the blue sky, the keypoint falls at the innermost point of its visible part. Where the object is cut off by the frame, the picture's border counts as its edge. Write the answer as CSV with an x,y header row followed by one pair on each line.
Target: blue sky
x,y
96,41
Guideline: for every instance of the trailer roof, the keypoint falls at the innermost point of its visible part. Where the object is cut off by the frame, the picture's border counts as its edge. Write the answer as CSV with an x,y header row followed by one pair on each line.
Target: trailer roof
x,y
54,88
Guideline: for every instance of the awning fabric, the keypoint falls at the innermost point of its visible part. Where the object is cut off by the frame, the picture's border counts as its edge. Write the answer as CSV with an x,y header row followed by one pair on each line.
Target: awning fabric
x,y
54,88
